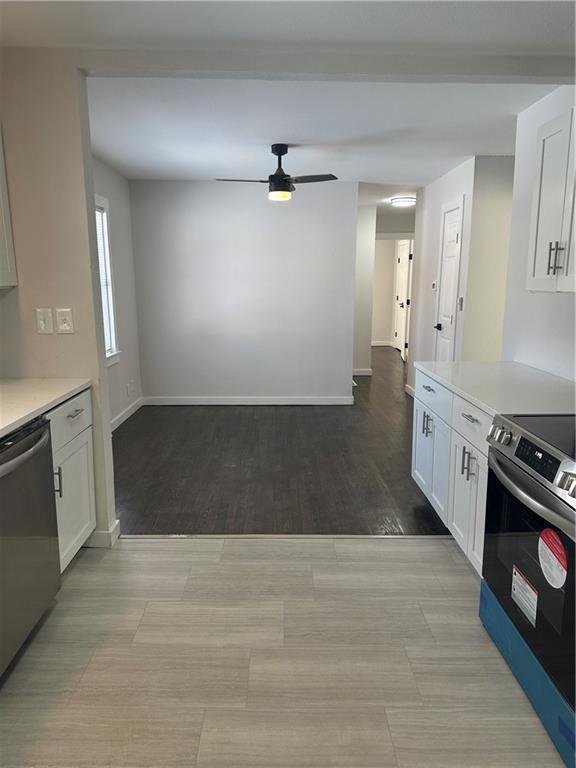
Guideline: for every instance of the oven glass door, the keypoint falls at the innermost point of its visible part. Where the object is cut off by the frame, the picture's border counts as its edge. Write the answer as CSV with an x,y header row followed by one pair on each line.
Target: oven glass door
x,y
529,565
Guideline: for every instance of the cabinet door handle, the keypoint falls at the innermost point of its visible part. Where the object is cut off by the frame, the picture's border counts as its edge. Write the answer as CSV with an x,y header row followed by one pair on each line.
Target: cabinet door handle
x,y
470,418
60,489
74,414
428,420
463,462
555,266
424,422
468,463
428,388
550,250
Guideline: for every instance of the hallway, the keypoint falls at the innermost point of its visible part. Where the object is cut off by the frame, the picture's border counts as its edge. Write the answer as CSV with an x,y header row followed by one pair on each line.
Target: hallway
x,y
226,470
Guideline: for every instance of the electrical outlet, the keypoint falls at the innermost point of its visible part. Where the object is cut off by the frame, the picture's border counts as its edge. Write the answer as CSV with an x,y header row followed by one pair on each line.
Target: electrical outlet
x,y
64,321
44,320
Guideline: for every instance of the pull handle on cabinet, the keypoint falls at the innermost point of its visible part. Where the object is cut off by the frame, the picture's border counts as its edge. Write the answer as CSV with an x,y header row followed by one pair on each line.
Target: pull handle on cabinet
x,y
59,490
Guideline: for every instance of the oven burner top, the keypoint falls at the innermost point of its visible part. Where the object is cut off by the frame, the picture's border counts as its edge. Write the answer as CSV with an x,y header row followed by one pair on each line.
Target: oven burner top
x,y
559,431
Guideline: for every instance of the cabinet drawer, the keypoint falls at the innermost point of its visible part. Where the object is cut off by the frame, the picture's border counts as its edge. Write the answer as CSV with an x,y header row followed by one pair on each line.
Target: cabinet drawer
x,y
434,395
69,419
471,422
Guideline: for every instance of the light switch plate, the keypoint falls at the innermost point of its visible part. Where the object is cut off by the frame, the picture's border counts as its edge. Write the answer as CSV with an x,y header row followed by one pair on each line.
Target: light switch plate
x,y
44,320
64,321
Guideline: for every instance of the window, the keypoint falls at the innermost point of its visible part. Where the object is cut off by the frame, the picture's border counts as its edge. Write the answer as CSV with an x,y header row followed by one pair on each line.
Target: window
x,y
106,287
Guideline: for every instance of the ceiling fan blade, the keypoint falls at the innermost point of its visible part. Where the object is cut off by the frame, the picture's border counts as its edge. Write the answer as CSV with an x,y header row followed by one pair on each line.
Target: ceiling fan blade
x,y
249,181
312,179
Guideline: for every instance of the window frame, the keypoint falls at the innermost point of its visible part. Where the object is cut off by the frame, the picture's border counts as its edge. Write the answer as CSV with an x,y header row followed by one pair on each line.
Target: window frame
x,y
102,204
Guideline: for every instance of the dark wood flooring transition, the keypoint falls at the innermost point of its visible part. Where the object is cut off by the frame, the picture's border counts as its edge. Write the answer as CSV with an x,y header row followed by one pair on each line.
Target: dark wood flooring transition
x,y
275,469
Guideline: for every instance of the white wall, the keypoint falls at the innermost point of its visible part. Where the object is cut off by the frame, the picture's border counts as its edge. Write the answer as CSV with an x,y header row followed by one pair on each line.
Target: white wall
x,y
124,375
455,184
244,300
48,164
485,297
383,292
538,327
395,220
365,247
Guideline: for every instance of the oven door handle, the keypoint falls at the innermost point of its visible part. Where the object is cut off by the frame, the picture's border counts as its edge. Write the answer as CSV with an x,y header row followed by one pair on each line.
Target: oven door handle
x,y
548,506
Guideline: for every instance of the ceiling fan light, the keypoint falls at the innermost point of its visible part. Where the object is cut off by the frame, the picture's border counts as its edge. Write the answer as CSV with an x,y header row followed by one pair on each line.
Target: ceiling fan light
x,y
279,195
403,201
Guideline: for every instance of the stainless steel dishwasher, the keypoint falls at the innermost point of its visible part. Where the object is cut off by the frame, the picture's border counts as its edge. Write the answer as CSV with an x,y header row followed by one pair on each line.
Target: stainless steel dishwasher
x,y
29,560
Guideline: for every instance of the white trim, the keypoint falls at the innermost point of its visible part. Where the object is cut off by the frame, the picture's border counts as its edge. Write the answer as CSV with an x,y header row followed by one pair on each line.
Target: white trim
x,y
394,235
409,390
250,400
113,358
362,372
105,538
382,343
126,413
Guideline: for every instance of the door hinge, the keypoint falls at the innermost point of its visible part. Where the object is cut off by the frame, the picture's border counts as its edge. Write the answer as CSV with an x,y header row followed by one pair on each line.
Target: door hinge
x,y
410,256
405,345
457,237
395,334
461,303
398,261
407,302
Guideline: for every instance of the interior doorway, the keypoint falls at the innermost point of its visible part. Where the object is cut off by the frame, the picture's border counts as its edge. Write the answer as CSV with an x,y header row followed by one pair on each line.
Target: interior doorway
x,y
402,299
450,247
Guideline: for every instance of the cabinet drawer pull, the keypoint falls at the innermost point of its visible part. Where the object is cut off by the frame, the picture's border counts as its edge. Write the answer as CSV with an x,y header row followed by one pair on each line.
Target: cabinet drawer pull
x,y
428,388
470,418
59,490
75,414
550,249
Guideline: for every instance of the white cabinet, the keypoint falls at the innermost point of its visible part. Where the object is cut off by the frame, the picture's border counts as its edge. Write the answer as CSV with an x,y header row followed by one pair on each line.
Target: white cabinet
x,y
7,261
451,469
551,250
422,449
431,438
467,510
75,507
71,431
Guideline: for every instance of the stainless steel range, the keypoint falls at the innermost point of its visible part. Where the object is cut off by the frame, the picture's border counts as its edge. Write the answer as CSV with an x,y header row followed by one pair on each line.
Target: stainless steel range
x,y
528,585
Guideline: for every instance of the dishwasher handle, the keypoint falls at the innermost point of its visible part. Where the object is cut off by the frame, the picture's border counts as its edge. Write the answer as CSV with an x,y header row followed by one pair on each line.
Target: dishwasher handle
x,y
13,464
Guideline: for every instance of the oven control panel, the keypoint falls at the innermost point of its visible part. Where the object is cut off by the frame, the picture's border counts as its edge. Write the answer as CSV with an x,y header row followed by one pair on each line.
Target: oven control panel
x,y
537,459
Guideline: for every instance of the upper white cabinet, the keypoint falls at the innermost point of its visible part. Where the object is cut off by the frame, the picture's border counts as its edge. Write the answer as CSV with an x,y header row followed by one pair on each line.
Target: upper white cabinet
x,y
551,250
7,261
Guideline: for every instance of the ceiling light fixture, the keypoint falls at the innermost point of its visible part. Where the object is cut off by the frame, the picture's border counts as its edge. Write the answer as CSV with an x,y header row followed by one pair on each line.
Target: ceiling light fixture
x,y
403,201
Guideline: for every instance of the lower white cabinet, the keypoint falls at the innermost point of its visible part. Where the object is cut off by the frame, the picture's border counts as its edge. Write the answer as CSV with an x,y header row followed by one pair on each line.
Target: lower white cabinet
x,y
467,510
452,471
75,507
72,454
431,457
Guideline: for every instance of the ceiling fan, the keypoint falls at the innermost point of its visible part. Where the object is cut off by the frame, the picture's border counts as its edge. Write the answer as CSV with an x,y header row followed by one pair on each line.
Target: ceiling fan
x,y
281,184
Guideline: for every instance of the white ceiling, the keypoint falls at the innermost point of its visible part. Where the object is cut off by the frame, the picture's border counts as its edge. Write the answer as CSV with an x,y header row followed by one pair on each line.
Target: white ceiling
x,y
425,28
386,133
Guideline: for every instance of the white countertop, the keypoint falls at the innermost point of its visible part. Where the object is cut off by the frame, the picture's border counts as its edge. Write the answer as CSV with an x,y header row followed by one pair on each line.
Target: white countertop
x,y
505,387
22,400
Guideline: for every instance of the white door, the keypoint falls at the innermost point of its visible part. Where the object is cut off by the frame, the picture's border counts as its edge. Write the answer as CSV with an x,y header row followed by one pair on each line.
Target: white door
x,y
461,503
445,327
422,447
73,467
440,476
567,275
476,534
549,204
402,277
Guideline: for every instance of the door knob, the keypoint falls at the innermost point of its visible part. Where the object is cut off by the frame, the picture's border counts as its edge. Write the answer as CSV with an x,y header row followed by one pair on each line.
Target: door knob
x,y
438,326
401,305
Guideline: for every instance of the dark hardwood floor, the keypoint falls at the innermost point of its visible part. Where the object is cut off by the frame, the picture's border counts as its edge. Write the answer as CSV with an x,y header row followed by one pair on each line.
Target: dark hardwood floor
x,y
275,469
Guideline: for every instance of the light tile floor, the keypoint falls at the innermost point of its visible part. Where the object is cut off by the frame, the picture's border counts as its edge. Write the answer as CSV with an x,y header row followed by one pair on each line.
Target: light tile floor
x,y
267,653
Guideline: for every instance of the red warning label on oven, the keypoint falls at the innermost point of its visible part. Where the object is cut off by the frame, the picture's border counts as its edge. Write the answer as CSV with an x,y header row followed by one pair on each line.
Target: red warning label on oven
x,y
553,558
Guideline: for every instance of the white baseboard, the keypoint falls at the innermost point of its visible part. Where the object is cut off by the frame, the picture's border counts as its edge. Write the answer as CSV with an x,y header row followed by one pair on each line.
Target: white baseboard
x,y
250,400
362,372
409,390
126,413
105,538
382,343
